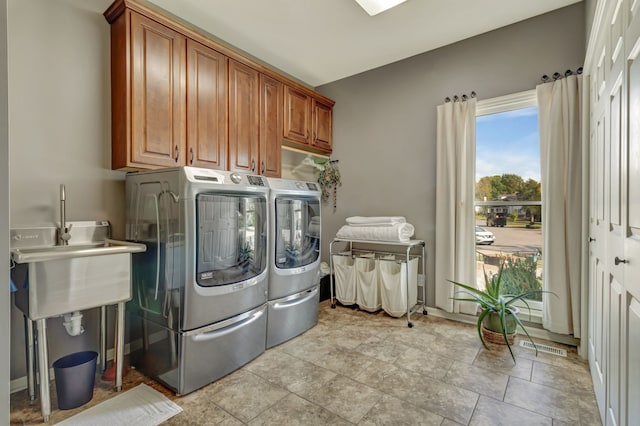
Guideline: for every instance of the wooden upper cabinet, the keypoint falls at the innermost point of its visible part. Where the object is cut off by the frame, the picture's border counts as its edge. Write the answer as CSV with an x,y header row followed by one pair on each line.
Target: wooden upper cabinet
x,y
307,120
243,118
156,77
270,126
322,125
297,115
178,98
206,107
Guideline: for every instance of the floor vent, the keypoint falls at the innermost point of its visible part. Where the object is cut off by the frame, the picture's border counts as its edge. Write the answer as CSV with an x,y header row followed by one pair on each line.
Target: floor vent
x,y
543,348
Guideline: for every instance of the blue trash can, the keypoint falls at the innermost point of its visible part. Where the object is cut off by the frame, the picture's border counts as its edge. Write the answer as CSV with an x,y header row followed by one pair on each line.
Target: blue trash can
x,y
75,377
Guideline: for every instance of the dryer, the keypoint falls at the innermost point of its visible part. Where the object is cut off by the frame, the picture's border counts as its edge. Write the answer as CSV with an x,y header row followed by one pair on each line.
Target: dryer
x,y
199,291
294,259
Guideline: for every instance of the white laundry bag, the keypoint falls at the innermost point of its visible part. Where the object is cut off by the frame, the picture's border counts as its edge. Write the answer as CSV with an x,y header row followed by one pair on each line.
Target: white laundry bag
x,y
345,279
367,287
393,288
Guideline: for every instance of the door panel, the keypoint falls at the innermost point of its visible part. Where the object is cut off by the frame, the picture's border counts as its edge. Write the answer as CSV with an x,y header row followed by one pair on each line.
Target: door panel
x,y
615,160
297,115
243,118
614,365
207,107
270,126
597,343
599,306
157,125
599,172
322,125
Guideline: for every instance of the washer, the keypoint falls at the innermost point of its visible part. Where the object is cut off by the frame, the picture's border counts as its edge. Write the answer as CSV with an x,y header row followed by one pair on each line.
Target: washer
x,y
294,259
200,290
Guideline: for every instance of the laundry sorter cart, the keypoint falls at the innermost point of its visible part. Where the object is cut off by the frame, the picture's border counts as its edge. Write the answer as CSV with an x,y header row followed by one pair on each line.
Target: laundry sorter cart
x,y
344,268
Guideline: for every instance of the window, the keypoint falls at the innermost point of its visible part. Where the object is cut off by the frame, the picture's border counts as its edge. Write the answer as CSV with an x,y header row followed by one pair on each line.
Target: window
x,y
508,204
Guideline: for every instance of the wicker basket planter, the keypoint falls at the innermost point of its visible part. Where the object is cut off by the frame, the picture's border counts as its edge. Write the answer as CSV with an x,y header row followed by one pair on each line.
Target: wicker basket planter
x,y
497,338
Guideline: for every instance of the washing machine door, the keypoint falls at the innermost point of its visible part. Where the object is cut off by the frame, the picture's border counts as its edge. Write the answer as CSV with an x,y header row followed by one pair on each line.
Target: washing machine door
x,y
231,238
297,231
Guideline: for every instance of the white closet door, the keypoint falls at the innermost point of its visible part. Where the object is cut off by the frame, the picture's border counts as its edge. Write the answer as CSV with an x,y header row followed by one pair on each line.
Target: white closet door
x,y
598,295
614,332
631,221
614,281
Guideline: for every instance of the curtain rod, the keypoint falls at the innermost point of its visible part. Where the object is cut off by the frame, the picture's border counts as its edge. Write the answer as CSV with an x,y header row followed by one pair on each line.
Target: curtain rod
x,y
556,75
462,99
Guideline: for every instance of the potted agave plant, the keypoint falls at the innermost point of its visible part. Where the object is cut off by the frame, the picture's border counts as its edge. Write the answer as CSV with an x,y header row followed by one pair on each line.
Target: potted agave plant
x,y
498,318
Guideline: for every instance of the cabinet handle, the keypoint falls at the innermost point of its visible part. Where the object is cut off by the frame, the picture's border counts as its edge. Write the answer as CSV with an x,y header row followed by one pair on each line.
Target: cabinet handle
x,y
307,135
618,261
191,155
253,165
262,168
177,153
591,239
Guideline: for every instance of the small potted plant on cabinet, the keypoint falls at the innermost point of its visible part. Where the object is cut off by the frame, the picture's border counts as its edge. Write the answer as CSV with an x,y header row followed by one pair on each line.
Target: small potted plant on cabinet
x,y
498,318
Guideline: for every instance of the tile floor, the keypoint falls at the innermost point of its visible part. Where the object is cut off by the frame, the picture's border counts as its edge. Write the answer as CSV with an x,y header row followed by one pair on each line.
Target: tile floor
x,y
369,369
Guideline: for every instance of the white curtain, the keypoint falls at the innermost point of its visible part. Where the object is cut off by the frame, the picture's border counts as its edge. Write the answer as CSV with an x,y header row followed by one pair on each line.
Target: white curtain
x,y
455,186
561,158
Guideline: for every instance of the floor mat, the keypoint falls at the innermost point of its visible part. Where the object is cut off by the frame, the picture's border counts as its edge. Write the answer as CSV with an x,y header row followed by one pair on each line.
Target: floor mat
x,y
142,406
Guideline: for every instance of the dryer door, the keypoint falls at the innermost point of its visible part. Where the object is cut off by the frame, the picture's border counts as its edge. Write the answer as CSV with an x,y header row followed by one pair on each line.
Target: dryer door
x,y
297,231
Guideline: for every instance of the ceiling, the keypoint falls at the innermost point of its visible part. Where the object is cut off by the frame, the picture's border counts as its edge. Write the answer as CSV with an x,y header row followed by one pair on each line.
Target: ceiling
x,y
320,41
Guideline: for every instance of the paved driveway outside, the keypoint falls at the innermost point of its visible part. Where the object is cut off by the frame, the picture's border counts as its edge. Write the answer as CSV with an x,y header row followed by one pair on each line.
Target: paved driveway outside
x,y
511,240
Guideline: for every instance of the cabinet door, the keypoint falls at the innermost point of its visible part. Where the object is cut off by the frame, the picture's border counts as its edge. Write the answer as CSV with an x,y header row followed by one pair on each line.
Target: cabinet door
x,y
270,126
206,107
158,96
243,117
321,125
297,115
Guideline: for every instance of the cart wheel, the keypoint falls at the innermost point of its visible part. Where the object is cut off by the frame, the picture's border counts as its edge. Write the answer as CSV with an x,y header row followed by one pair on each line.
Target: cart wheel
x,y
410,325
333,306
424,312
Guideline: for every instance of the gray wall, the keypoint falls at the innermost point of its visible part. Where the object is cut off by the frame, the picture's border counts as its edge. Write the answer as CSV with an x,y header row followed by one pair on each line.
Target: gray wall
x,y
5,300
385,120
60,113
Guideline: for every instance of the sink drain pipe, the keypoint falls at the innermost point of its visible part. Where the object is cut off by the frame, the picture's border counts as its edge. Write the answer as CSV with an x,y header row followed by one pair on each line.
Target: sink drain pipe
x,y
73,323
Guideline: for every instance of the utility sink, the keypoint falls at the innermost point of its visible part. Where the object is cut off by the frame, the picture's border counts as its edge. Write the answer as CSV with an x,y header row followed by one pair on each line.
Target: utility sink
x,y
63,279
44,254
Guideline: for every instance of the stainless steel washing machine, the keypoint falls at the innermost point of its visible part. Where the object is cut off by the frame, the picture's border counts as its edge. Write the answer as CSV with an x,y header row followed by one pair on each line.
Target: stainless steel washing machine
x,y
199,291
294,259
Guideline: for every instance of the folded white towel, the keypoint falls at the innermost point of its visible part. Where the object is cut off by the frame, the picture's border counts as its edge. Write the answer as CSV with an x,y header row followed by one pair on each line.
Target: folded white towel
x,y
399,232
375,220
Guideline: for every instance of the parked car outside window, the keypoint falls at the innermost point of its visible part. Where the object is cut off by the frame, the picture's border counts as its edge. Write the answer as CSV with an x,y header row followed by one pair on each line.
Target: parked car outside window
x,y
483,236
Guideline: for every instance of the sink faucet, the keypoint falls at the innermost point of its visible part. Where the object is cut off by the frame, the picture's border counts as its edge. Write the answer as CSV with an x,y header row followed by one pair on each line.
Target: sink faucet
x,y
63,233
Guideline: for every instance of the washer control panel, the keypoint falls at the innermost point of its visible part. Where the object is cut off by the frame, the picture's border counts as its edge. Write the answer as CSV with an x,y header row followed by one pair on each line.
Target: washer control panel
x,y
255,180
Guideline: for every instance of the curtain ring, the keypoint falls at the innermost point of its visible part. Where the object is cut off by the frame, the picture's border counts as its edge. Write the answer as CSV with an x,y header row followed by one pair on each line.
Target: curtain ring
x,y
447,99
464,97
545,78
473,94
456,98
579,71
556,75
567,73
